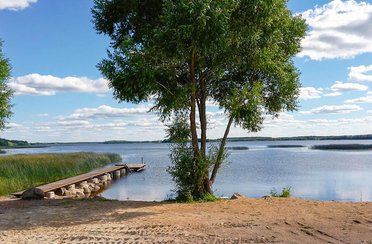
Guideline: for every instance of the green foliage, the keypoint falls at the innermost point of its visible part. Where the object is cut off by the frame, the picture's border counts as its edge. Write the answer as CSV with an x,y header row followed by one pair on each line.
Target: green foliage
x,y
237,53
179,130
286,192
20,172
208,198
13,143
243,47
187,172
5,92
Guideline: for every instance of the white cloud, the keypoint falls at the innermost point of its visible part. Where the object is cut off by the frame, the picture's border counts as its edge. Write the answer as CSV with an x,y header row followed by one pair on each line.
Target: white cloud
x,y
211,103
307,93
333,94
15,4
47,85
340,87
13,125
338,29
360,73
104,112
342,109
365,99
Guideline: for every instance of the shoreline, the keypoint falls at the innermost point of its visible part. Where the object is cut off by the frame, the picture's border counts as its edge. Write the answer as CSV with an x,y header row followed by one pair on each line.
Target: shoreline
x,y
243,220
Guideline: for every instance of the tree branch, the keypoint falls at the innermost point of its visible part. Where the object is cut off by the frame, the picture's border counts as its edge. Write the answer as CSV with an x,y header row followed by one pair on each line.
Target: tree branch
x,y
221,150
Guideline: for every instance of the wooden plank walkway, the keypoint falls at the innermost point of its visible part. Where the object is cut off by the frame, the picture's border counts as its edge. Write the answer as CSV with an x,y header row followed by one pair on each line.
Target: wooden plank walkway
x,y
83,177
135,167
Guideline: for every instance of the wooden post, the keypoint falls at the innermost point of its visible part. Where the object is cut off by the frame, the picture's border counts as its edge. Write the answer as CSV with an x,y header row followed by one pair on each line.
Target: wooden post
x,y
117,174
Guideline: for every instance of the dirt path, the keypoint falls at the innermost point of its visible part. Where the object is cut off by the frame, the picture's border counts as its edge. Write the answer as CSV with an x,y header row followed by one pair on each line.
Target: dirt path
x,y
228,221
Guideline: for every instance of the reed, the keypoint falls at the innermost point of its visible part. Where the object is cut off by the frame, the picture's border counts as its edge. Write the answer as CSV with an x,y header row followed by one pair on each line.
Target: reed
x,y
20,172
343,147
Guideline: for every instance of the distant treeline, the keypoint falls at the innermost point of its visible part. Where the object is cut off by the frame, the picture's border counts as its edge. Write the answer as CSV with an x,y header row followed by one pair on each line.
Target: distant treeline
x,y
123,141
12,143
295,138
4,143
303,138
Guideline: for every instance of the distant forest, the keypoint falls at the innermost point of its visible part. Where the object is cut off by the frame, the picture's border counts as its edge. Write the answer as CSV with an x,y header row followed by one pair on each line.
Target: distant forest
x,y
13,143
4,143
297,138
303,138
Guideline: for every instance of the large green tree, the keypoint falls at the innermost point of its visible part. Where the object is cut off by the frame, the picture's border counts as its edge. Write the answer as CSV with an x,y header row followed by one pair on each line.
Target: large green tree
x,y
5,91
182,53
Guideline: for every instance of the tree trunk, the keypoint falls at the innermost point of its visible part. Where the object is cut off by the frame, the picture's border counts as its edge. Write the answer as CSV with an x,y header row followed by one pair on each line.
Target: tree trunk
x,y
203,128
194,134
203,117
218,162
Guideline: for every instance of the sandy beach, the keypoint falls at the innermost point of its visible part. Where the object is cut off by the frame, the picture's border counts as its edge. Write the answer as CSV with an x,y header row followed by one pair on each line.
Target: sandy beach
x,y
227,221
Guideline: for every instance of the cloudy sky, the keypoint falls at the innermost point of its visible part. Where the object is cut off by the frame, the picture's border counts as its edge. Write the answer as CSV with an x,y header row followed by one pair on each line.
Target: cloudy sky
x,y
61,96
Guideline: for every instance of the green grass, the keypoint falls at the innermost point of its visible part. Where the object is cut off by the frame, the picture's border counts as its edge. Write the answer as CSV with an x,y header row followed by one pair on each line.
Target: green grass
x,y
286,192
20,172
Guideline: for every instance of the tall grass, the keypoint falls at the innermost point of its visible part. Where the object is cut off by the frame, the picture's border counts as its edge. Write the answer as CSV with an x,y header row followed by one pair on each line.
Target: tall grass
x,y
20,172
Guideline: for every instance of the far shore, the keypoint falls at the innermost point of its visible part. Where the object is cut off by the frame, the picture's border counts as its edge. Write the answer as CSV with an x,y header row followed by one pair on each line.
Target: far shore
x,y
243,220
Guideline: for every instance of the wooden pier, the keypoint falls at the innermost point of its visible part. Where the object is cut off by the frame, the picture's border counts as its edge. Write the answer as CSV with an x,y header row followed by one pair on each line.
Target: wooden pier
x,y
84,177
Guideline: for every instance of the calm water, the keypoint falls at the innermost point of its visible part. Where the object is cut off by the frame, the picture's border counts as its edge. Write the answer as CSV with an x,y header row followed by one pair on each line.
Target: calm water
x,y
312,174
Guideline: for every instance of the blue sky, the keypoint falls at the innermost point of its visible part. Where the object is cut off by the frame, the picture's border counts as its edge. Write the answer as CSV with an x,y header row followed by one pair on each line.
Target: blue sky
x,y
61,96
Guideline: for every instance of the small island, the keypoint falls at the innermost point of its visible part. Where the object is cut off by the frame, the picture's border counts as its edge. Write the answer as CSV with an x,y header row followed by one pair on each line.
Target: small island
x,y
344,147
285,146
237,148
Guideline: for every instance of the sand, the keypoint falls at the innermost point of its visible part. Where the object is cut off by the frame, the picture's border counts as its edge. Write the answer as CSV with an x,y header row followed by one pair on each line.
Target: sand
x,y
227,221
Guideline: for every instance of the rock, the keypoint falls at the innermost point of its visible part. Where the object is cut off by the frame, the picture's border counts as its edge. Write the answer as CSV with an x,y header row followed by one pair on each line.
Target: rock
x,y
267,197
50,195
33,194
82,184
109,177
96,188
237,196
94,181
86,190
91,187
70,193
71,187
61,191
103,178
79,193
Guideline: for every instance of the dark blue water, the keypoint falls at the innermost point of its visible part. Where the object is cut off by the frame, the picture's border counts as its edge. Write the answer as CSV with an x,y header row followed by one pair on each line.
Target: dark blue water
x,y
311,174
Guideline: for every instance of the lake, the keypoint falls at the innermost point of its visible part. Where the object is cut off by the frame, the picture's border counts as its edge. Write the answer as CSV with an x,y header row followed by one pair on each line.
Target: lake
x,y
311,174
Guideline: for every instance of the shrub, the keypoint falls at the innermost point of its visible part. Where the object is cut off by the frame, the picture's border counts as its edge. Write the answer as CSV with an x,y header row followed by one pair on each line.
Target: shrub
x,y
187,172
286,192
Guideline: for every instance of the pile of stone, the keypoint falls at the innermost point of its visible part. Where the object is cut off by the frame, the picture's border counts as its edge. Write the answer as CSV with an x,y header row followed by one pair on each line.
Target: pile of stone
x,y
83,189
